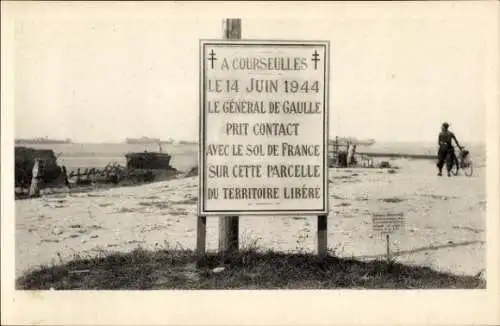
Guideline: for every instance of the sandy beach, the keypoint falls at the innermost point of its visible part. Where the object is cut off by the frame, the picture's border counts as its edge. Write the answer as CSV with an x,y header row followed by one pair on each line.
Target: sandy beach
x,y
445,220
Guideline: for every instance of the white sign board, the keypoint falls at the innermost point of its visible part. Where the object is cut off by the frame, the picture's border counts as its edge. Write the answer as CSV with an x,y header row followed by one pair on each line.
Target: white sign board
x,y
388,223
263,127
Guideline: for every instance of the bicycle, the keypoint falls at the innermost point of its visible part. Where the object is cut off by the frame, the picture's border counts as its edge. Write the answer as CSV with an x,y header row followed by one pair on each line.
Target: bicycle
x,y
462,161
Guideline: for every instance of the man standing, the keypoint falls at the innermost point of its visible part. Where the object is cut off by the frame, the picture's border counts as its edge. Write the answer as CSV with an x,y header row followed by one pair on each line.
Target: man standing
x,y
446,152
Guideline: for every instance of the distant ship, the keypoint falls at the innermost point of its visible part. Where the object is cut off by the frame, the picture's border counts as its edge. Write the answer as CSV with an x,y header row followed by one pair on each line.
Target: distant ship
x,y
148,140
187,142
353,141
364,142
142,140
42,140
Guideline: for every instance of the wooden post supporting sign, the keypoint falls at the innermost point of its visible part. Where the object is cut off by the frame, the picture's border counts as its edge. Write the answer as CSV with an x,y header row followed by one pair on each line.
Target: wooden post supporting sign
x,y
229,225
388,242
201,236
322,235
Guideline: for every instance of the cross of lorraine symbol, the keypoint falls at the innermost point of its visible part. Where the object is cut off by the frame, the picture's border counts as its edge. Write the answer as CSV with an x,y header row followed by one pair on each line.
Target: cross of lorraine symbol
x,y
212,58
315,59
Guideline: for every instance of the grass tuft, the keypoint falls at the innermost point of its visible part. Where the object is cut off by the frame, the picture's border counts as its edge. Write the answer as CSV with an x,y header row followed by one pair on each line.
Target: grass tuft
x,y
248,269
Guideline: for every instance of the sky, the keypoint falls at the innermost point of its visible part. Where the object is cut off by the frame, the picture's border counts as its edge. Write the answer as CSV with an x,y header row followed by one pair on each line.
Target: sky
x,y
397,72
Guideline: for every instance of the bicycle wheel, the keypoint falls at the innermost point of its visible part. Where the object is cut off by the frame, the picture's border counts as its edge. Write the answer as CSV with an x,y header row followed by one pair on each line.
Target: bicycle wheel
x,y
455,167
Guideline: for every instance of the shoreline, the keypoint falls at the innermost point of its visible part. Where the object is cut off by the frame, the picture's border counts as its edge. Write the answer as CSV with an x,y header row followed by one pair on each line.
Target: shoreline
x,y
77,189
399,155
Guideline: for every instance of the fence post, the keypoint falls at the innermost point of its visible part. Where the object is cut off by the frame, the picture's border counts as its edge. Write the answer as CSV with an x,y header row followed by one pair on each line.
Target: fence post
x,y
66,179
229,225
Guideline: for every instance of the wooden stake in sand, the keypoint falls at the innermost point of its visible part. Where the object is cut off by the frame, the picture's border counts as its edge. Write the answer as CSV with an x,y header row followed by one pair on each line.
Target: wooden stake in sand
x,y
35,185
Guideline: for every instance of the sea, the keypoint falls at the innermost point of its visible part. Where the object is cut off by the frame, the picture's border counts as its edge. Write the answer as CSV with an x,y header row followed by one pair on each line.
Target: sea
x,y
185,156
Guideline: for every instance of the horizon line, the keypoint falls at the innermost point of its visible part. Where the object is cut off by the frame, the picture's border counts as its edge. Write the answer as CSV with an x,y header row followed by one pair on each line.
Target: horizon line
x,y
196,141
